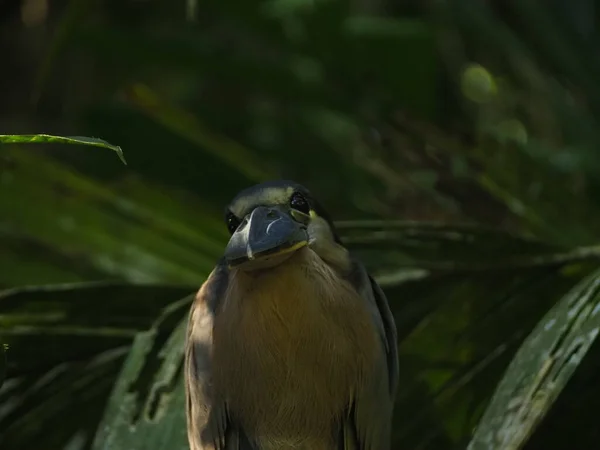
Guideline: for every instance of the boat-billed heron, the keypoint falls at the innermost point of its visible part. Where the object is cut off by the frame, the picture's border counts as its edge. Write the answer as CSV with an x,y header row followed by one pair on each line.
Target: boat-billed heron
x,y
291,345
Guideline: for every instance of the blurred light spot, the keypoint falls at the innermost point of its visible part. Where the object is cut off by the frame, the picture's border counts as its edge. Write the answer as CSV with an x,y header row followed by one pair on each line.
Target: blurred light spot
x,y
477,84
512,130
567,160
34,12
191,10
459,166
376,135
517,207
126,205
265,134
294,29
66,223
424,178
307,70
549,324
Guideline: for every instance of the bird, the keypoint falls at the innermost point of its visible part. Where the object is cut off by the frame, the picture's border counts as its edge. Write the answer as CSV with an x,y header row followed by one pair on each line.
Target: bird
x,y
290,343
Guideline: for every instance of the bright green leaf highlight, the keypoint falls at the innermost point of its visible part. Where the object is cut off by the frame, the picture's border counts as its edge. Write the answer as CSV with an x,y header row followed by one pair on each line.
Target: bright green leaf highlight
x,y
50,139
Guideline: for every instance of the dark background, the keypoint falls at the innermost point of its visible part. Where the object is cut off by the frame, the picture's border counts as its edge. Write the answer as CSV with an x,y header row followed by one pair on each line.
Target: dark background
x,y
465,132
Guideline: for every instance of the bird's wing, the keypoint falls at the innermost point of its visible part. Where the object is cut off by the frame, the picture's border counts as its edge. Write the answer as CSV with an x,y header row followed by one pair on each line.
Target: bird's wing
x,y
383,319
368,426
208,424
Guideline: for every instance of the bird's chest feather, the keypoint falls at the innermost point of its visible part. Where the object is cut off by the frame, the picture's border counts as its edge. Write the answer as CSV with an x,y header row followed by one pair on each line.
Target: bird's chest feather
x,y
296,342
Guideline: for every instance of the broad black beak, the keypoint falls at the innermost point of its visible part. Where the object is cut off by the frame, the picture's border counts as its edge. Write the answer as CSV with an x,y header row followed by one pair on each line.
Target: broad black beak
x,y
267,236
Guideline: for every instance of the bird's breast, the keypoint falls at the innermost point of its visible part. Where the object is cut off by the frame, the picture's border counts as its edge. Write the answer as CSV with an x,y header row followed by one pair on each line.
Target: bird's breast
x,y
290,347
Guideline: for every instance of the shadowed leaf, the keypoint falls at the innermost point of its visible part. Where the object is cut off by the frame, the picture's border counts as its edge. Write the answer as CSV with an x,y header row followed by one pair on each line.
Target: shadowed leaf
x,y
67,344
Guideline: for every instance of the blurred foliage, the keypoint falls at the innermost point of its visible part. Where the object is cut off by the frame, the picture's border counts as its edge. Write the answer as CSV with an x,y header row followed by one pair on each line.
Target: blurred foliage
x,y
454,140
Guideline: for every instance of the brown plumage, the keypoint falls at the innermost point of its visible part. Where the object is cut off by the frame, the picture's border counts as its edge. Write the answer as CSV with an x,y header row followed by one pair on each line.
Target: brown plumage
x,y
297,354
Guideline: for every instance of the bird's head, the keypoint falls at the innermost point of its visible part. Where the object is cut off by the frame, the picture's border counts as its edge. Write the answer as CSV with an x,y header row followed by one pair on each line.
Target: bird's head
x,y
271,221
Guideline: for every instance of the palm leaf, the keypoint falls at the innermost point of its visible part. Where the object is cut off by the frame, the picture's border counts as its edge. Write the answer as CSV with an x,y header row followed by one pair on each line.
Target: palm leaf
x,y
541,369
147,406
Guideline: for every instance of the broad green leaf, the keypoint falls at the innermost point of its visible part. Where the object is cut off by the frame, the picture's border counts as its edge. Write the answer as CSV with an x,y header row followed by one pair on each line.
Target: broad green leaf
x,y
147,406
49,139
541,369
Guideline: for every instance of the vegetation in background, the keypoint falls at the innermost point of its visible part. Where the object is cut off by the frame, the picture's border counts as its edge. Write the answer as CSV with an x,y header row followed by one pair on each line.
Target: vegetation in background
x,y
455,140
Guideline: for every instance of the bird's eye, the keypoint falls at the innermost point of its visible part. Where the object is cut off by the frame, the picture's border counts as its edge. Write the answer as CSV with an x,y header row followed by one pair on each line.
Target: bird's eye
x,y
299,203
232,222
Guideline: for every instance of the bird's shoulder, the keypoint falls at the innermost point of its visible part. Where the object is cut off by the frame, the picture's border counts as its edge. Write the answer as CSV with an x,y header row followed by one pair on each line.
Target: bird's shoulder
x,y
212,290
381,313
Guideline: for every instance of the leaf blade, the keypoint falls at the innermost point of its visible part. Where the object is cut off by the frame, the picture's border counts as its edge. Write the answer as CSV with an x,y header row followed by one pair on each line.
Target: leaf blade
x,y
541,369
52,139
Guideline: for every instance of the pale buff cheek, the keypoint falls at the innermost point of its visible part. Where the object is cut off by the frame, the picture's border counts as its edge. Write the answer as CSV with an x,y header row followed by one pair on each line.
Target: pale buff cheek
x,y
323,245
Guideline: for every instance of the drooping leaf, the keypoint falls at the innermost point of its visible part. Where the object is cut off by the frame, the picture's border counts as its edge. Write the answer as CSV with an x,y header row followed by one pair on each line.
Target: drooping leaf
x,y
49,139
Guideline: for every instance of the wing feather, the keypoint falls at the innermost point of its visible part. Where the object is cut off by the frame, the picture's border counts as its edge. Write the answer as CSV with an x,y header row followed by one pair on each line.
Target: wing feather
x,y
207,421
374,399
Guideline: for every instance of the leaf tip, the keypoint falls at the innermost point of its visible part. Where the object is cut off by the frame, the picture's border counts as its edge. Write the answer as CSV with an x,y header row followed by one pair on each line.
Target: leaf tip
x,y
120,154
